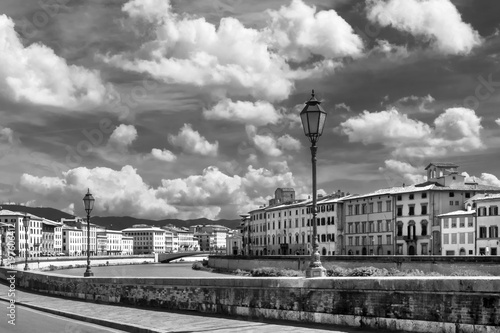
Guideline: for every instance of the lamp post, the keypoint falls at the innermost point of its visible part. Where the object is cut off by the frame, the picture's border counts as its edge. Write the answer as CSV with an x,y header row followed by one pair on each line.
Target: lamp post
x,y
26,223
244,218
313,121
88,201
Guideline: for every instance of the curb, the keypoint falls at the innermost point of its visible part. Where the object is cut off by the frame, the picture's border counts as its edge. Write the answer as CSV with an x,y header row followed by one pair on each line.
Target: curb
x,y
101,322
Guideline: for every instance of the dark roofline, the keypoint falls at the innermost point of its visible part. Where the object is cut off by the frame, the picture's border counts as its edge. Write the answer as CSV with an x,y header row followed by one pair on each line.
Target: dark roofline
x,y
442,164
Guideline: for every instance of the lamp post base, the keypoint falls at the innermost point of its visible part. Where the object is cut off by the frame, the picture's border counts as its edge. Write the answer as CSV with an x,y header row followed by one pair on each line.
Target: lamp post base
x,y
26,268
88,272
312,272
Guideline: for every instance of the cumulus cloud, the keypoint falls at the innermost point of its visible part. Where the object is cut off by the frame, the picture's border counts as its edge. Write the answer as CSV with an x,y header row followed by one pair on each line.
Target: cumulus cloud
x,y
255,113
342,106
434,21
212,194
484,179
298,32
192,142
497,121
269,145
456,130
37,75
398,172
189,50
164,155
123,136
7,135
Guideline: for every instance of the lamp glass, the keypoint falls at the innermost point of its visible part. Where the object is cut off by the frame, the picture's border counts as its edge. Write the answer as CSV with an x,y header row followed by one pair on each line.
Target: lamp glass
x,y
88,201
26,221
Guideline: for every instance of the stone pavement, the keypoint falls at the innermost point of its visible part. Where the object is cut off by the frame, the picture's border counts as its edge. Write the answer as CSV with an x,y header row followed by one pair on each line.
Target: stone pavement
x,y
141,320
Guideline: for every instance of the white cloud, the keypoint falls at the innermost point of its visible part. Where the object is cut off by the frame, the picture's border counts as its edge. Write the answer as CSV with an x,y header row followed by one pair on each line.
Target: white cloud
x,y
258,113
497,121
422,104
289,143
269,145
435,21
457,130
117,192
231,59
192,142
37,75
397,173
123,136
7,135
298,32
343,106
164,155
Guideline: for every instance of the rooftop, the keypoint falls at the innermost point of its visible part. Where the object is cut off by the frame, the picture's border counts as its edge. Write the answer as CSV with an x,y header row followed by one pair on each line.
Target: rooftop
x,y
442,165
458,212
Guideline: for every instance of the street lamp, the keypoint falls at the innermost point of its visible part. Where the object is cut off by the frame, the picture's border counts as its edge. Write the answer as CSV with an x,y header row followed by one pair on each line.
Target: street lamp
x,y
26,223
244,218
88,201
313,121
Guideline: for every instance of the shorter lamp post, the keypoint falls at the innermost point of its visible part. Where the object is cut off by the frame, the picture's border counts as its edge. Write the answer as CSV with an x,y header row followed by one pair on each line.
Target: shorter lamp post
x,y
88,201
244,219
313,121
26,223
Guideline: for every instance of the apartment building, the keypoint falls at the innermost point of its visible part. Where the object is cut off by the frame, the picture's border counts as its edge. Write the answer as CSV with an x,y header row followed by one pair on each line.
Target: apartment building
x,y
72,240
147,239
127,245
51,243
15,227
81,224
458,235
487,224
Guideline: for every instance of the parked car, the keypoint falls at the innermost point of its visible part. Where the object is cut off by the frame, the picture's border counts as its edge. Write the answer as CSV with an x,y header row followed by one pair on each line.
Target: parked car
x,y
60,254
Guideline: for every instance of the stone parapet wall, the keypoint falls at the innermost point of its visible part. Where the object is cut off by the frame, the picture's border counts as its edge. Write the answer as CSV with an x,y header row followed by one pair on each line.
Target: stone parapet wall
x,y
439,264
94,261
420,304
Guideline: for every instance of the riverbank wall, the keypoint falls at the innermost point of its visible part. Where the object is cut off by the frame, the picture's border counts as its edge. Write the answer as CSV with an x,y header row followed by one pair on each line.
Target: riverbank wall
x,y
65,262
416,304
490,265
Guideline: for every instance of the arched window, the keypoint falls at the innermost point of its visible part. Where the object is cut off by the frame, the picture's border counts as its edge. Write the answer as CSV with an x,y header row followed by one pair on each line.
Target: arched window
x,y
424,224
411,230
400,228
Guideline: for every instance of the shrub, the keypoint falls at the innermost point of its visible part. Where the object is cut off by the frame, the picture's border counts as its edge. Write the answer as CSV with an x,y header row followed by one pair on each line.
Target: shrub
x,y
197,266
272,271
469,272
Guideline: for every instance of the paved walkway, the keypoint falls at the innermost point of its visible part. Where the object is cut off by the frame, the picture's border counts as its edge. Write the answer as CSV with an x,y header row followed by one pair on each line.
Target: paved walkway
x,y
139,320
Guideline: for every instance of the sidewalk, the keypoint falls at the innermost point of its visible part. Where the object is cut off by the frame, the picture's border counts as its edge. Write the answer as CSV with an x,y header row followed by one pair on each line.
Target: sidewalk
x,y
139,320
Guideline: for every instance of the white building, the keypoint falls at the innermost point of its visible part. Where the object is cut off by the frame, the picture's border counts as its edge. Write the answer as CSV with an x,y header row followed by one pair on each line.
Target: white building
x,y
81,224
458,233
72,240
16,228
127,245
114,243
487,224
147,239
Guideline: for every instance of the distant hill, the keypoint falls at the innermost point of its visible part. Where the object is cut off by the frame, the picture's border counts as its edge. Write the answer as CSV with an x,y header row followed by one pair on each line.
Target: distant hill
x,y
47,212
117,222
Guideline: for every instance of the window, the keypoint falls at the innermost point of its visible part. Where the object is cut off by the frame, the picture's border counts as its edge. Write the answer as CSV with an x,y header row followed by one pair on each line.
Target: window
x,y
481,211
400,211
424,249
470,221
388,239
446,239
379,226
356,240
451,202
462,238
467,195
379,240
356,210
493,231
399,197
370,207
411,196
454,238
363,209
356,227
363,227
493,210
462,222
453,222
423,210
470,237
482,232
424,228
349,210
400,229
349,228
411,211
349,241
388,206
379,206
388,225
452,194
424,195
446,223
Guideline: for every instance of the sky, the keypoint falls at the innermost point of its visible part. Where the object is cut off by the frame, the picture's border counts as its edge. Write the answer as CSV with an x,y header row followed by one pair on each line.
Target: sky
x,y
187,109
